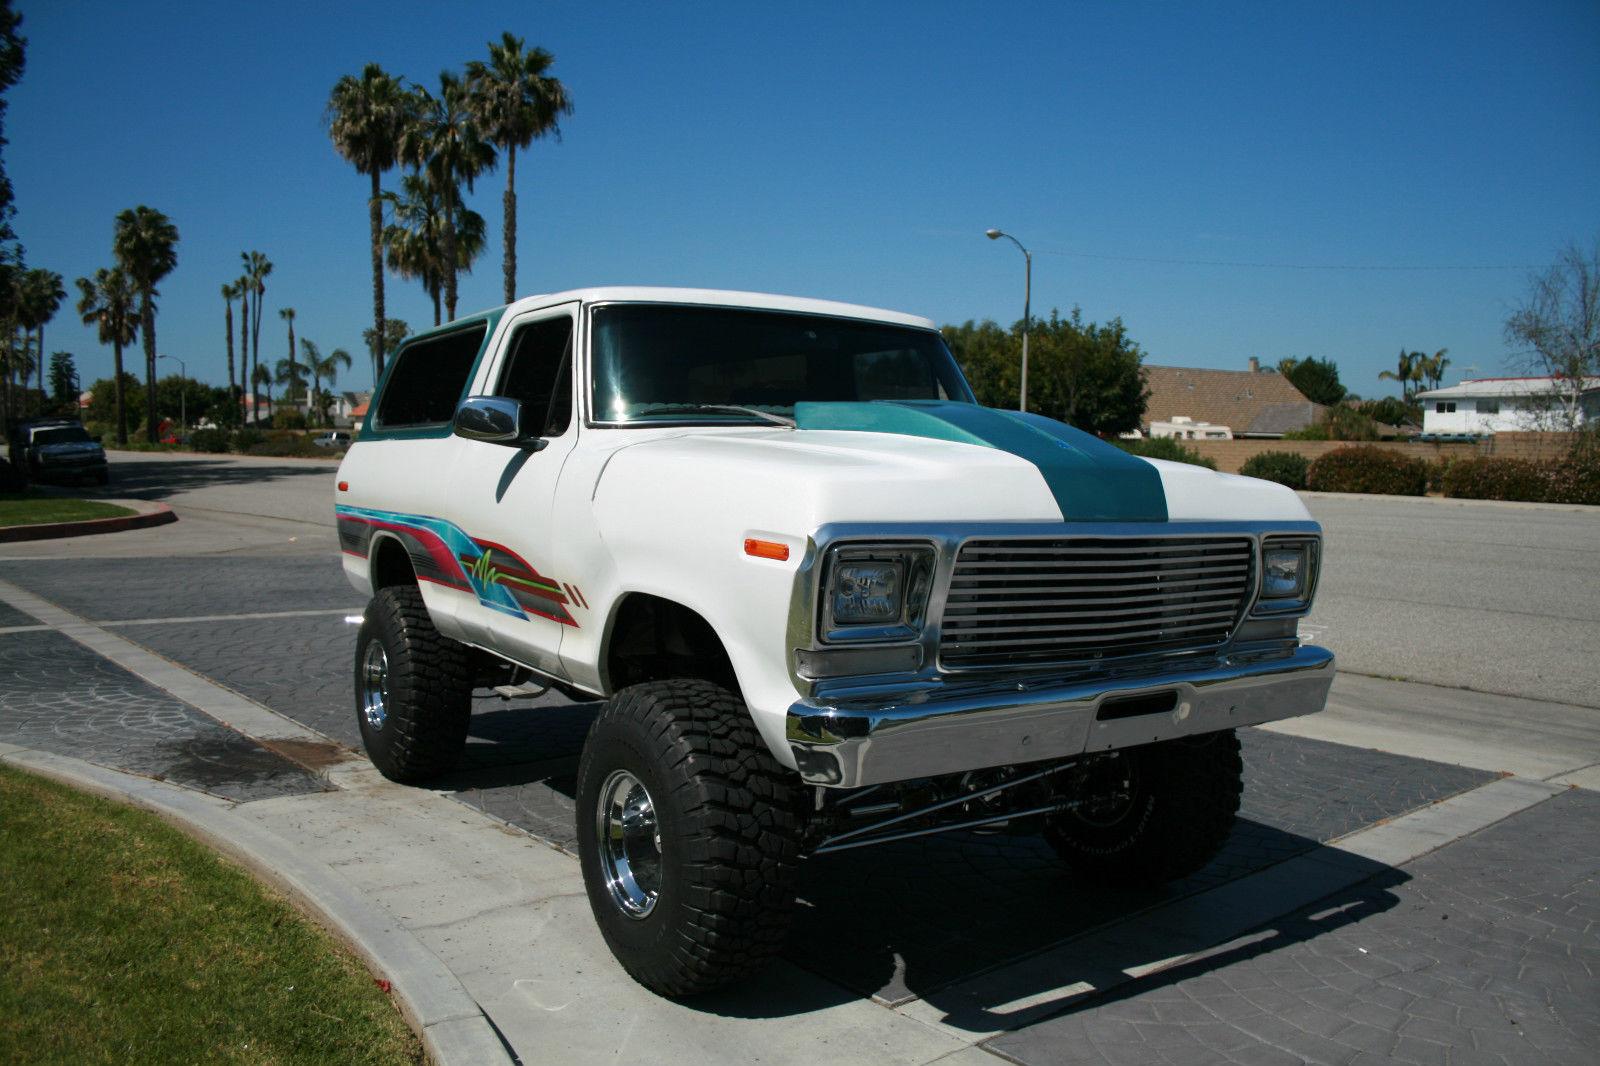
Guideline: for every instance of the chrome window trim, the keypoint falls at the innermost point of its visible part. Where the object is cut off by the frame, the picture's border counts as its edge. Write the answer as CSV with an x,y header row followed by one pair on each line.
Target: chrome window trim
x,y
948,538
587,390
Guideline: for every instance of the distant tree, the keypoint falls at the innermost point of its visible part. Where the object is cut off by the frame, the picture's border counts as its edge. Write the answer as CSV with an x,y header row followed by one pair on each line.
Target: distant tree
x,y
13,56
325,368
367,118
394,332
184,397
287,314
107,302
1084,374
445,143
260,377
291,375
1555,331
1317,379
1432,367
64,379
146,246
415,240
1391,411
515,100
1407,371
110,399
40,293
257,267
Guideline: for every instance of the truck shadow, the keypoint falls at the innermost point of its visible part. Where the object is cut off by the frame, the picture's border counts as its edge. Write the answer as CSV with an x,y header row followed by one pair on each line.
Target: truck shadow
x,y
158,479
923,919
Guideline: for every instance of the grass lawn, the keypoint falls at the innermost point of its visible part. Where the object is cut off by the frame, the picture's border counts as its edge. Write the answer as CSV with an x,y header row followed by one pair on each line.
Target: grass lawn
x,y
29,509
122,940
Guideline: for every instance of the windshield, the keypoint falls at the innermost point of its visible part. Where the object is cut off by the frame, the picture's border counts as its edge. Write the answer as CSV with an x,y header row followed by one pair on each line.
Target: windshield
x,y
64,435
664,362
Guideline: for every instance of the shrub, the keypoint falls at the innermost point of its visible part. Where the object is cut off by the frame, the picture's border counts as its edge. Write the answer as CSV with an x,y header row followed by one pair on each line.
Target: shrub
x,y
1575,479
1437,469
209,440
1286,468
289,418
1366,469
281,443
247,438
1165,448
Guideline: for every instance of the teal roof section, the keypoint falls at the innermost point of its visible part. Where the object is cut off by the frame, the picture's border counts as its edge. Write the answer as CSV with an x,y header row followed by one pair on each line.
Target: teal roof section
x,y
1092,481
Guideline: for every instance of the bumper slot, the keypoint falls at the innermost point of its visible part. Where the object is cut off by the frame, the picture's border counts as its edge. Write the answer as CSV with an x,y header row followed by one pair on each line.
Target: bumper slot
x,y
1115,707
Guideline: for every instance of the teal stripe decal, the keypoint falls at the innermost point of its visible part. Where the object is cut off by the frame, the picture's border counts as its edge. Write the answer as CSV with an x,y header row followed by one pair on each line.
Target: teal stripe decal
x,y
1092,481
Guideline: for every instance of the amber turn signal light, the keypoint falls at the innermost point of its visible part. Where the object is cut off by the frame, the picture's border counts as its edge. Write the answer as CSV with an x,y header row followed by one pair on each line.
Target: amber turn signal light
x,y
766,549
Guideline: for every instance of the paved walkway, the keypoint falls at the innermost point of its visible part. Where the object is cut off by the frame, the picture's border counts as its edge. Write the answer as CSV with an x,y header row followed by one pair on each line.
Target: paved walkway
x,y
229,677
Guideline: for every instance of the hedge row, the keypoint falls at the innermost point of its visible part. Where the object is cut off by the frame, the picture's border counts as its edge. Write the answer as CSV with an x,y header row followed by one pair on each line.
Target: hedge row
x,y
1575,479
1367,469
256,442
1286,468
1165,448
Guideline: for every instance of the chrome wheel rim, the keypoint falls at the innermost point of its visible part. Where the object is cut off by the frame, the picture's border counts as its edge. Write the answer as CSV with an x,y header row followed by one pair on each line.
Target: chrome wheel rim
x,y
630,844
375,686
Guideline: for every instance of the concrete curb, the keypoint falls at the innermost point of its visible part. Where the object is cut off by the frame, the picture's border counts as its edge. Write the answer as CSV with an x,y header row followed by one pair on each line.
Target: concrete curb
x,y
1452,501
146,515
453,1028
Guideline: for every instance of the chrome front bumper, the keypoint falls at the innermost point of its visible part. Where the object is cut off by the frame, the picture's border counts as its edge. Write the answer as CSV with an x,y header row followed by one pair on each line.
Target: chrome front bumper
x,y
847,743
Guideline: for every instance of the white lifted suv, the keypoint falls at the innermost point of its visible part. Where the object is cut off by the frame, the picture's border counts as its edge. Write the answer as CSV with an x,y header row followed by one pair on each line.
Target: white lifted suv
x,y
828,600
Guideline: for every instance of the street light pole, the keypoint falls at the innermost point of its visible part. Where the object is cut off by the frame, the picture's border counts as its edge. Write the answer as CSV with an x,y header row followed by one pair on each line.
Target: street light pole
x,y
183,389
1027,302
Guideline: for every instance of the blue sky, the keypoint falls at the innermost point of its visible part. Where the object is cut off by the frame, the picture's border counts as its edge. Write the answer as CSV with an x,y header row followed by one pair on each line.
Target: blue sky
x,y
858,152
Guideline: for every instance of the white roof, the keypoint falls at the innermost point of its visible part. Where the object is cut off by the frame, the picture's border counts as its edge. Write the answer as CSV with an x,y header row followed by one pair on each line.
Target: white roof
x,y
720,298
1490,387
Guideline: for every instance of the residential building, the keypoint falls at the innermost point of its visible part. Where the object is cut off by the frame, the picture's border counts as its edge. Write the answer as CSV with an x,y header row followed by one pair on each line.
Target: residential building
x,y
1506,405
1247,403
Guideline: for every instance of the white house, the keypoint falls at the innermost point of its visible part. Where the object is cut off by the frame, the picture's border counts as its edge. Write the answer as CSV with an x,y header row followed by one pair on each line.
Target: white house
x,y
1503,405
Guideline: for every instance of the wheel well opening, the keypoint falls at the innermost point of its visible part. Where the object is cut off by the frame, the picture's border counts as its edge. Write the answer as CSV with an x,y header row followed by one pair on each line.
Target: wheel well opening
x,y
391,565
655,639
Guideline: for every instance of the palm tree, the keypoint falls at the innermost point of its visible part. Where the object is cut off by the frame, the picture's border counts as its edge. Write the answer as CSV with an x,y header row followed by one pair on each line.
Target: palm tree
x,y
367,117
259,377
395,331
516,101
1407,371
40,298
228,297
256,269
324,368
446,144
291,375
415,240
242,288
146,246
1433,367
107,303
287,314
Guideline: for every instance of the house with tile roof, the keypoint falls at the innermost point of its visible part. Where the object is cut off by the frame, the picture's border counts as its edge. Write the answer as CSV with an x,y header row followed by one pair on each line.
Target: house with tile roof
x,y
1251,403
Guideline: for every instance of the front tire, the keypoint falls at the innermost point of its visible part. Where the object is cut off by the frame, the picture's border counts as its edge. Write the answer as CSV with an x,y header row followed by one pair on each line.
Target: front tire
x,y
413,689
689,836
1171,810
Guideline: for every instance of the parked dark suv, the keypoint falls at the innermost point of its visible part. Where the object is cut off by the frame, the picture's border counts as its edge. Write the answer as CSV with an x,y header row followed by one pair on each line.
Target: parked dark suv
x,y
57,449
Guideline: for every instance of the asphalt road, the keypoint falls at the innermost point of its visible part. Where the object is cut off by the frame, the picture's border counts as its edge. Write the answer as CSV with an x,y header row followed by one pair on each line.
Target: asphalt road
x,y
1499,598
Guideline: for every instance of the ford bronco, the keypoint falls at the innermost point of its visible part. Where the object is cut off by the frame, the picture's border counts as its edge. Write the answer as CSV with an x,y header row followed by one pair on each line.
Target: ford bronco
x,y
828,601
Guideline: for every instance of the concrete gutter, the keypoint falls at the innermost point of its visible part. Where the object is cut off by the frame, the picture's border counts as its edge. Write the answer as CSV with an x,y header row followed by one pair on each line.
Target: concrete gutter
x,y
1452,501
453,1028
146,514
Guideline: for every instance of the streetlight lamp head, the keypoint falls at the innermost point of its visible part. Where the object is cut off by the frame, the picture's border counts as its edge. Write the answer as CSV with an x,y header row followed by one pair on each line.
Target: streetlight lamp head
x,y
993,234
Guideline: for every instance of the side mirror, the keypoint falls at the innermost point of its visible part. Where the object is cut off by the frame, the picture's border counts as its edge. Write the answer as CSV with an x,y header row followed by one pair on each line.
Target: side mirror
x,y
494,420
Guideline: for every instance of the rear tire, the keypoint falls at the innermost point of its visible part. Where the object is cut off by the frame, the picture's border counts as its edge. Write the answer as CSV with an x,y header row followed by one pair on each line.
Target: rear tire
x,y
1180,800
413,689
689,836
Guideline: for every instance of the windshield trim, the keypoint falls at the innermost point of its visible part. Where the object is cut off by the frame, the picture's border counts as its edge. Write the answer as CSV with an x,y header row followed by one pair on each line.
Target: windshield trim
x,y
587,383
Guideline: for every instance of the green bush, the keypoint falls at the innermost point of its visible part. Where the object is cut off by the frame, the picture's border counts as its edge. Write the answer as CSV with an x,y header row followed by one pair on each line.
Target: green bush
x,y
1286,468
1575,479
247,438
289,418
209,440
1165,448
282,444
1367,469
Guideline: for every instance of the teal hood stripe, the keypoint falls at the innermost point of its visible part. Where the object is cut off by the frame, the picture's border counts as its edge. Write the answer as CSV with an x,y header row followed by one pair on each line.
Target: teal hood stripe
x,y
1092,481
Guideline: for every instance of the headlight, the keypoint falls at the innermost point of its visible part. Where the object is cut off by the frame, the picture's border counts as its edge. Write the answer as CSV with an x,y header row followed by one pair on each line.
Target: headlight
x,y
1288,573
876,592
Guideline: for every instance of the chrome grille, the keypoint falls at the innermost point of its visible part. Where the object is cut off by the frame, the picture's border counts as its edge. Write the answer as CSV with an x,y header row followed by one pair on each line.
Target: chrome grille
x,y
1074,600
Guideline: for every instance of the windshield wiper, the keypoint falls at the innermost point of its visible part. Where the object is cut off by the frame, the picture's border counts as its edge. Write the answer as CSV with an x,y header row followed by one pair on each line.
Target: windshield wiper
x,y
689,408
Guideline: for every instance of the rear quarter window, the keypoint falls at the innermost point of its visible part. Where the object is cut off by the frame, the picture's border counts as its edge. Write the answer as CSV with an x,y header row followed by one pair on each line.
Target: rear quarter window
x,y
428,379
